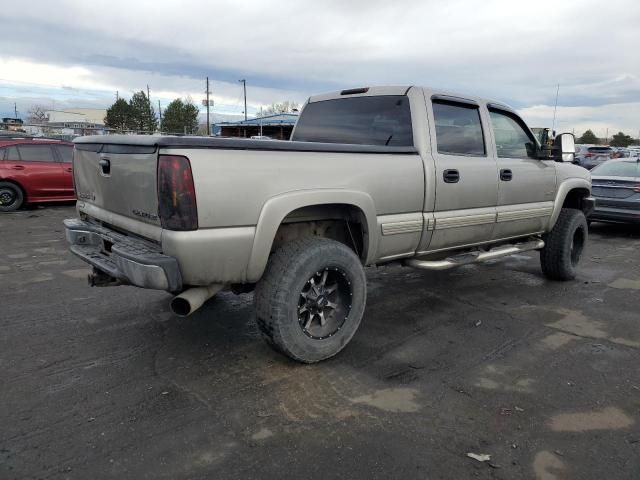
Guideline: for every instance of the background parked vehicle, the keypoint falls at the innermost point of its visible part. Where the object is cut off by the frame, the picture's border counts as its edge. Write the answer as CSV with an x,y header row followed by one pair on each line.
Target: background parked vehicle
x,y
35,170
616,187
589,156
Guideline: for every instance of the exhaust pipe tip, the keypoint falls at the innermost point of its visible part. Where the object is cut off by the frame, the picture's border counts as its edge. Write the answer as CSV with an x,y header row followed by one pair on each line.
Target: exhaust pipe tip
x,y
180,306
192,299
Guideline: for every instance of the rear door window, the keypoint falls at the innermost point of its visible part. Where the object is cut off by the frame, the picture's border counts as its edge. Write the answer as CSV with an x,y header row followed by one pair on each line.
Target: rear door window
x,y
36,153
376,120
458,128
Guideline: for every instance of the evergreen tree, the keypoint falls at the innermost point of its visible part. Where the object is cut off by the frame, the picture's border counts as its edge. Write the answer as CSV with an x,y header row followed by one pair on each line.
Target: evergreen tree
x,y
588,137
119,116
621,140
143,113
180,117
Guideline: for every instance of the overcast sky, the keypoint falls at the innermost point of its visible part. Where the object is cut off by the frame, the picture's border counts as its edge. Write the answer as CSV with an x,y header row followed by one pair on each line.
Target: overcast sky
x,y
72,53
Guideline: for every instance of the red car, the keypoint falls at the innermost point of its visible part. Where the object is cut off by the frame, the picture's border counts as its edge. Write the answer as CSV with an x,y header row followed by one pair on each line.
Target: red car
x,y
34,170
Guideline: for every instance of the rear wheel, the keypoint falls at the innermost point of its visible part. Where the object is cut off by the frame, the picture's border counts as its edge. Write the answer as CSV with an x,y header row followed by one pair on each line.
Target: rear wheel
x,y
311,299
11,197
564,245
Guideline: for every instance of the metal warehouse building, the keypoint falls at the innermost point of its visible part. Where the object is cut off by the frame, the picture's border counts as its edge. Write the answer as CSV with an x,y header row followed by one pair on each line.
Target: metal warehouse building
x,y
277,126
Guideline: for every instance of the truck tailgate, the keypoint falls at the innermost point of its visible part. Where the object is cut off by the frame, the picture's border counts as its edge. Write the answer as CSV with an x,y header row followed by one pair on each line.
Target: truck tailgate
x,y
117,179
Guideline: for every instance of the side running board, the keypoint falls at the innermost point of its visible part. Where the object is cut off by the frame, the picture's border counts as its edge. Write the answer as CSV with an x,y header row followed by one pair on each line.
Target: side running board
x,y
474,257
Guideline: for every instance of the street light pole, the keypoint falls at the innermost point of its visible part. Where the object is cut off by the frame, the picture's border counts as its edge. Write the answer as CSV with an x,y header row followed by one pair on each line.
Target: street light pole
x,y
244,87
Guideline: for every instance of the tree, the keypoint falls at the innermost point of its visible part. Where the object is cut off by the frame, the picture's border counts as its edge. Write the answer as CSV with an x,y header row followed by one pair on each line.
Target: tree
x,y
119,116
142,113
180,117
37,114
621,140
588,137
283,107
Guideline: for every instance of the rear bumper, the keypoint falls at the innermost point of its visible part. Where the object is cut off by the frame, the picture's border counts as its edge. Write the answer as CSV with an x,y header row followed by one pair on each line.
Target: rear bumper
x,y
131,260
622,215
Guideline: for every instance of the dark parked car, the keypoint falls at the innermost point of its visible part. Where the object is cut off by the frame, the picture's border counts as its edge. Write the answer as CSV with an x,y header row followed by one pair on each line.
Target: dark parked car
x,y
589,156
616,187
34,170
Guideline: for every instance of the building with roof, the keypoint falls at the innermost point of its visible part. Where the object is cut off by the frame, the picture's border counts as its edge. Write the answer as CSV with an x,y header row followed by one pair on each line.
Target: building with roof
x,y
278,126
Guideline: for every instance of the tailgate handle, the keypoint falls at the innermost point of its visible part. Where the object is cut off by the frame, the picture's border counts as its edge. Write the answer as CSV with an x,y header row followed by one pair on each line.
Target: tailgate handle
x,y
105,166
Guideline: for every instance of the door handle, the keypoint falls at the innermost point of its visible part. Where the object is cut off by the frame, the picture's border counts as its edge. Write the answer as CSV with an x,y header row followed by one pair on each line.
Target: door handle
x,y
69,169
18,167
506,175
451,176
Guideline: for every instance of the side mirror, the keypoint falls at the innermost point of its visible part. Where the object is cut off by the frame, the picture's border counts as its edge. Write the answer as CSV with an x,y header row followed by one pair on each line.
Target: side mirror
x,y
564,148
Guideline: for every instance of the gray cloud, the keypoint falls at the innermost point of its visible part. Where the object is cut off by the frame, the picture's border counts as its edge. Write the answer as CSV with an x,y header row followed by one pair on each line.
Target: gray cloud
x,y
513,51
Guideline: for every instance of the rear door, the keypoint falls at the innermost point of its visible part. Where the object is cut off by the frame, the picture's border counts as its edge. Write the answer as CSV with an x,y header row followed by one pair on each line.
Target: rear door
x,y
527,185
42,171
466,174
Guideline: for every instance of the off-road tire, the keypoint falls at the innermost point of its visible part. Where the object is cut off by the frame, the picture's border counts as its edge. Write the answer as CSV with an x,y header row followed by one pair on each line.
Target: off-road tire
x,y
16,192
278,294
564,245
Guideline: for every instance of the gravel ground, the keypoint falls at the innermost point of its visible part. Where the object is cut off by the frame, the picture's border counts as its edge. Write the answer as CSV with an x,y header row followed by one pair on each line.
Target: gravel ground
x,y
490,359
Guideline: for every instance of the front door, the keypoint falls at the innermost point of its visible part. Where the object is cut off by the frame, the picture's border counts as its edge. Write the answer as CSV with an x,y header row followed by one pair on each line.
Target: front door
x,y
527,185
466,175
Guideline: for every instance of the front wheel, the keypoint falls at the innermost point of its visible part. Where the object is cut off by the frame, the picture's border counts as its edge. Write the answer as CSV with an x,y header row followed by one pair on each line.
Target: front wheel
x,y
564,245
11,197
311,298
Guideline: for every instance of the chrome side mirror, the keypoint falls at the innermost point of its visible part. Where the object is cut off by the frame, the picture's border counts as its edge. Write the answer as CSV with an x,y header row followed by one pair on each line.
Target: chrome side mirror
x,y
564,148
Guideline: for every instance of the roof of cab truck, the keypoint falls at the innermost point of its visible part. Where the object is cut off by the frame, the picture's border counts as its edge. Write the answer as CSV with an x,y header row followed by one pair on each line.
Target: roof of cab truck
x,y
403,90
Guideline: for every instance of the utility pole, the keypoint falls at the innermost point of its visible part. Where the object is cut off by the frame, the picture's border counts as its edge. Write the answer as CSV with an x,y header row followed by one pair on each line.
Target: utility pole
x,y
260,120
160,113
149,104
15,110
606,136
117,95
244,86
208,124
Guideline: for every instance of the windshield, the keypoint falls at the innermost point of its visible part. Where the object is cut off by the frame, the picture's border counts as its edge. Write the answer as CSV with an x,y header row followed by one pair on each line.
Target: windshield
x,y
617,169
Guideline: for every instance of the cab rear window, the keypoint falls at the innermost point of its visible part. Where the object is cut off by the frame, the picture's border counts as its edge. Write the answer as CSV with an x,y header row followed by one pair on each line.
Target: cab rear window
x,y
378,120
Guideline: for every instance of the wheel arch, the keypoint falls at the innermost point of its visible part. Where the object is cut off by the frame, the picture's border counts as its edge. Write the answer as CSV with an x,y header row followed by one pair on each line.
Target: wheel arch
x,y
570,194
277,209
18,185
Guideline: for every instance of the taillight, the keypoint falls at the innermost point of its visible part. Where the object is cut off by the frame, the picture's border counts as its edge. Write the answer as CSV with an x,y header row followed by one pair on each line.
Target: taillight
x,y
637,188
589,155
176,193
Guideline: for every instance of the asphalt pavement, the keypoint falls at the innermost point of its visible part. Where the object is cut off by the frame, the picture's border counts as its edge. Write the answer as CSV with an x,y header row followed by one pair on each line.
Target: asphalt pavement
x,y
488,359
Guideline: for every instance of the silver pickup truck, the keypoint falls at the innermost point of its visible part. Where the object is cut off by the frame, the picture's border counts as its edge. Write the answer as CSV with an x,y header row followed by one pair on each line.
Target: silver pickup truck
x,y
371,175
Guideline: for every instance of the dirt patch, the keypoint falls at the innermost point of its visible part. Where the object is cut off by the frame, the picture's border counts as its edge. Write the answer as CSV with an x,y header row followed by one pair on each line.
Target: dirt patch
x,y
547,466
391,400
626,283
610,418
557,340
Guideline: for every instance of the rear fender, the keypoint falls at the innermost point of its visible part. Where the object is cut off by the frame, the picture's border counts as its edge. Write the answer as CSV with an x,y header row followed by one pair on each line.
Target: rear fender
x,y
277,208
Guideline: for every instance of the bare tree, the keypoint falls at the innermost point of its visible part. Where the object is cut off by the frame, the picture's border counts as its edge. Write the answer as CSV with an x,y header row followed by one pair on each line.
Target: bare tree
x,y
38,114
282,107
